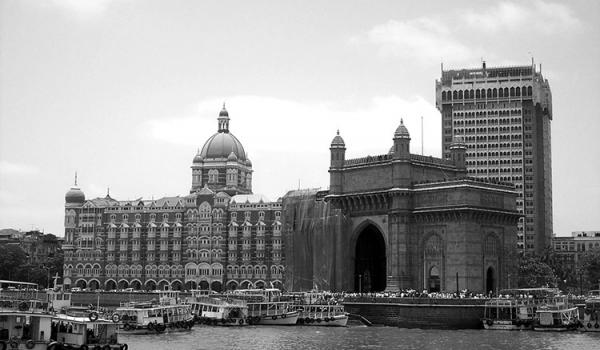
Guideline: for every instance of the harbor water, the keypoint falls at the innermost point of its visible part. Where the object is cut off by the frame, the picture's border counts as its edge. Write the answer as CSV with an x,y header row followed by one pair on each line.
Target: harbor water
x,y
359,337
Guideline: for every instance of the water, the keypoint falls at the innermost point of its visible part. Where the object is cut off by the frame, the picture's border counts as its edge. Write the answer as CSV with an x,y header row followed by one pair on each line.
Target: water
x,y
305,337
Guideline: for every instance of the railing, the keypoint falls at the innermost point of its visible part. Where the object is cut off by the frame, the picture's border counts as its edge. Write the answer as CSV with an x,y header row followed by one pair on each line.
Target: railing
x,y
367,160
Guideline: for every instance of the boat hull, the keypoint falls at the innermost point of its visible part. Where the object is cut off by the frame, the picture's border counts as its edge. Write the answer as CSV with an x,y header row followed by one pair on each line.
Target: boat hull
x,y
333,321
287,319
590,326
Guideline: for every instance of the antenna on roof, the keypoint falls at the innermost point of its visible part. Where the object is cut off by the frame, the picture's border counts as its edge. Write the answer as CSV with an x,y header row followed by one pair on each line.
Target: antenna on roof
x,y
75,178
422,142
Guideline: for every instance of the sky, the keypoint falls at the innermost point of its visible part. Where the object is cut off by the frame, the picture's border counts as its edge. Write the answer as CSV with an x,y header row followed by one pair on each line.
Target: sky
x,y
124,92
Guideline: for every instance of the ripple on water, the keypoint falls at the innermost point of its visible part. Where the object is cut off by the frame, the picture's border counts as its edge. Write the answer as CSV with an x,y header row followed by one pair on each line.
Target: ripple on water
x,y
317,338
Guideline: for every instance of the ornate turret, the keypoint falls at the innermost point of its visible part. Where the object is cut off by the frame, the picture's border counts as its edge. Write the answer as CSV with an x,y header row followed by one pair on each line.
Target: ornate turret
x,y
401,149
338,156
74,195
223,120
458,150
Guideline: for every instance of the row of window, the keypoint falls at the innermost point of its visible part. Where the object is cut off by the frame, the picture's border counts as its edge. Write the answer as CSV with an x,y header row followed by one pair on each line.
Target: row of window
x,y
489,93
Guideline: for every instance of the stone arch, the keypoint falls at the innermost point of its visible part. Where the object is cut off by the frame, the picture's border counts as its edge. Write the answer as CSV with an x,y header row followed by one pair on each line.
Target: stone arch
x,y
370,262
203,285
163,284
81,283
490,279
93,284
217,286
150,284
136,284
232,285
277,284
246,284
260,284
433,262
110,284
176,285
123,283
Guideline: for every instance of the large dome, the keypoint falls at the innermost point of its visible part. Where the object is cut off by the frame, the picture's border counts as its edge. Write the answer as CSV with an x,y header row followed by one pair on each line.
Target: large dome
x,y
221,144
75,195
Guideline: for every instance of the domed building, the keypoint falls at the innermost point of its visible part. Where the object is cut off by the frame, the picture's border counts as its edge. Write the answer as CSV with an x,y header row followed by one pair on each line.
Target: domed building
x,y
222,164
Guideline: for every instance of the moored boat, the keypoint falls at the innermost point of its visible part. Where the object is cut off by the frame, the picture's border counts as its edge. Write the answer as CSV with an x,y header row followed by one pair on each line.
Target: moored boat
x,y
84,329
591,315
165,315
508,314
25,322
319,309
212,309
557,316
265,307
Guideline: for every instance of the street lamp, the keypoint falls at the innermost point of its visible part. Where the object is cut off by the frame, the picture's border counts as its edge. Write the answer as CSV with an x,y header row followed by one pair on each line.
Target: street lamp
x,y
359,283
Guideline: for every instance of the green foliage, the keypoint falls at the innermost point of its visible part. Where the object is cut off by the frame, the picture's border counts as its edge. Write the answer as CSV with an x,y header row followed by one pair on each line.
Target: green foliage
x,y
11,261
589,266
533,272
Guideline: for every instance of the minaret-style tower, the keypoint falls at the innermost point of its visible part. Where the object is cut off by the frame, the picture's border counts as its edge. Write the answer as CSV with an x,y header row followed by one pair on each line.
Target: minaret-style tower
x,y
338,156
223,120
458,150
401,142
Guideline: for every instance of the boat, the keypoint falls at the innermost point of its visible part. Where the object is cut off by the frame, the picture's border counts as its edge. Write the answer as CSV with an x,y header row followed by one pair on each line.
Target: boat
x,y
25,322
213,309
557,316
515,309
265,306
508,314
319,309
85,329
165,315
591,315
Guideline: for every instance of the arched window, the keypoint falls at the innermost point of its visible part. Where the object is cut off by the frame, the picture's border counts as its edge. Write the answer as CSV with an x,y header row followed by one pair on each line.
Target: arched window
x,y
454,95
489,93
477,93
500,92
443,95
529,91
495,92
460,94
518,91
512,92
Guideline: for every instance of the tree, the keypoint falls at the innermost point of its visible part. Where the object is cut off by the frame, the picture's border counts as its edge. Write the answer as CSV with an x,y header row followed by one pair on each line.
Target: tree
x,y
589,266
535,273
13,258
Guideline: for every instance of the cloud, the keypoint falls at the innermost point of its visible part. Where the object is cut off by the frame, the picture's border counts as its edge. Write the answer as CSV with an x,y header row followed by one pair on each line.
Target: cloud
x,y
535,16
84,8
288,127
422,38
8,168
464,35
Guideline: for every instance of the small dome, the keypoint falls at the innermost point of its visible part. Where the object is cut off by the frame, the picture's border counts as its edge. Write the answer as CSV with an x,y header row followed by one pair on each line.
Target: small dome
x,y
198,158
75,196
391,150
223,112
338,141
248,162
232,157
401,131
221,144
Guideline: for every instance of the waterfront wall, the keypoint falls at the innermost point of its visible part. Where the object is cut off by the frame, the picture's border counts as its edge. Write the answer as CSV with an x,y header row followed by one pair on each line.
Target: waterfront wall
x,y
419,312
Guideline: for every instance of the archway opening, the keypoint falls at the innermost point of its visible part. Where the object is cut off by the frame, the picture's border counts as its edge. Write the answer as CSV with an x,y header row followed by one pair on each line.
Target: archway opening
x,y
137,285
110,285
81,284
163,285
150,285
370,261
176,285
231,285
123,284
434,279
189,285
490,280
216,286
93,285
203,285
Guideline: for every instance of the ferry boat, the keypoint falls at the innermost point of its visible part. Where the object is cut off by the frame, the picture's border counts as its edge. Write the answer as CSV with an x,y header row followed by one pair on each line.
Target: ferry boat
x,y
591,315
265,307
515,309
556,316
25,322
209,308
316,309
164,315
82,328
508,314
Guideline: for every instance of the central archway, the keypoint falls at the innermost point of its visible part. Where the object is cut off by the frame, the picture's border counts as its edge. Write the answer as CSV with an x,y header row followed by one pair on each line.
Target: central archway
x,y
370,261
489,280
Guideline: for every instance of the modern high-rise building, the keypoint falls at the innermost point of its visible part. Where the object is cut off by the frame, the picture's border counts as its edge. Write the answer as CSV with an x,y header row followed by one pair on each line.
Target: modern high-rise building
x,y
503,115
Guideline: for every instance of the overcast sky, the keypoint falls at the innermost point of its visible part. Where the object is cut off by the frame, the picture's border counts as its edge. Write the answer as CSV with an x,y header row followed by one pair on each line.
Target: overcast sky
x,y
125,92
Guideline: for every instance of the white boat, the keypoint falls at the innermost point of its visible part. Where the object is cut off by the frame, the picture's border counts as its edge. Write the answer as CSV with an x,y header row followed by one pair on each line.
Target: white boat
x,y
165,315
591,315
319,309
265,307
509,314
212,309
84,329
556,316
25,322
